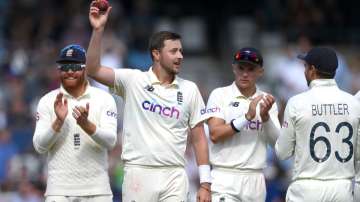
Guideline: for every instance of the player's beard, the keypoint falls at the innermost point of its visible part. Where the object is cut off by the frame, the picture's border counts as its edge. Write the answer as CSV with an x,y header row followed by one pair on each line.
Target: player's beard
x,y
171,69
73,82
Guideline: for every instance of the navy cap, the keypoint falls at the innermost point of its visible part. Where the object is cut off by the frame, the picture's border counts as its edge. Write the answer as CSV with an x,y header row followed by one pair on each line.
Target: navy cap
x,y
324,59
248,55
72,53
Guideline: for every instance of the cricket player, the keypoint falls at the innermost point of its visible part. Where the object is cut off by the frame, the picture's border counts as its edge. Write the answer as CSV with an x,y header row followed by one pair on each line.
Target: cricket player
x,y
243,120
160,108
320,130
76,126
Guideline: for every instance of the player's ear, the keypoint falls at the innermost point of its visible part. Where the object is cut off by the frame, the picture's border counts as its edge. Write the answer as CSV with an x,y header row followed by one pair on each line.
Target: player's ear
x,y
156,54
260,71
234,68
312,70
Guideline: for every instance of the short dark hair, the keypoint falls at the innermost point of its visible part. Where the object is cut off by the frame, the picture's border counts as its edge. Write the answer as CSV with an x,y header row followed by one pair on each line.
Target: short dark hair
x,y
157,40
324,75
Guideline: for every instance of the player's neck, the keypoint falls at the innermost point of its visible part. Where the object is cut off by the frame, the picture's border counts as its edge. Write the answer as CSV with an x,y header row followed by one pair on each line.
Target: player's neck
x,y
248,92
76,91
162,75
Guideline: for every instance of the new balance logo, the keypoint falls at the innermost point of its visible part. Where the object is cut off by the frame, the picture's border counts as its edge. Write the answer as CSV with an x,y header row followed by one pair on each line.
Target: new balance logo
x,y
149,88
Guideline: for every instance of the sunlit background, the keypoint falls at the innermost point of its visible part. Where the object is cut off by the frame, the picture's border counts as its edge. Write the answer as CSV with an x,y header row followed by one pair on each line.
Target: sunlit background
x,y
33,31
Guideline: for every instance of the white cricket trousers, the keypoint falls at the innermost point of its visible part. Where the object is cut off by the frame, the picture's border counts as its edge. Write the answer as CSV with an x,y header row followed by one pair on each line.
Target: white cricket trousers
x,y
149,184
357,191
320,191
97,198
233,185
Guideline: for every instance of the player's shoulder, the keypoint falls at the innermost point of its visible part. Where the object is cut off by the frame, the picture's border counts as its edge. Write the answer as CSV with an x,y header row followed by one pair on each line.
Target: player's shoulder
x,y
49,97
299,98
186,84
97,93
357,95
223,90
348,97
126,72
51,94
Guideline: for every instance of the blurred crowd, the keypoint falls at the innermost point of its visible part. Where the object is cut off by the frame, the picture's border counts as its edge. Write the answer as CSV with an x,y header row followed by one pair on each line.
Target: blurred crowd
x,y
33,31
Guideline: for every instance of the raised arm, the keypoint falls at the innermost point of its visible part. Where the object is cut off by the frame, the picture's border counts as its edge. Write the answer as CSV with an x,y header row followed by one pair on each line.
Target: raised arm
x,y
104,75
47,131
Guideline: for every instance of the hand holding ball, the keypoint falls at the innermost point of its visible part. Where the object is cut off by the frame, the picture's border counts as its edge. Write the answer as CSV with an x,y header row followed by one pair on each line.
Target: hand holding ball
x,y
102,5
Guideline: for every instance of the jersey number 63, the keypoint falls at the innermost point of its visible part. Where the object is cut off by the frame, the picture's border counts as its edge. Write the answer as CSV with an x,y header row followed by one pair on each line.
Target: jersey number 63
x,y
347,141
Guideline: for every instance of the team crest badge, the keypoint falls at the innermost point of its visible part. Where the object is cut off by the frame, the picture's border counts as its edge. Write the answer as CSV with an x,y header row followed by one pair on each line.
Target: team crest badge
x,y
179,98
69,53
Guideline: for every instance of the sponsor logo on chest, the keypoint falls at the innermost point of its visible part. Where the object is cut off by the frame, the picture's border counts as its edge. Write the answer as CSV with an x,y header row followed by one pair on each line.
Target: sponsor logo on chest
x,y
162,110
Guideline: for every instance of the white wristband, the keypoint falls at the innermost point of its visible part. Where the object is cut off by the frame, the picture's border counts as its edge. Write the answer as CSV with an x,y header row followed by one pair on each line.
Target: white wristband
x,y
238,123
204,173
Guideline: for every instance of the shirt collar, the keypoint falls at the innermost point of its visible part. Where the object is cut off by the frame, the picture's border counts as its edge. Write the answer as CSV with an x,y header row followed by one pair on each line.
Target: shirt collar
x,y
155,81
322,82
238,95
86,93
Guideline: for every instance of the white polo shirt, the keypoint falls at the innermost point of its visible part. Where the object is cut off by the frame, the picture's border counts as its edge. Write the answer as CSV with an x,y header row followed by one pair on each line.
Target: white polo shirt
x,y
77,162
320,129
156,117
247,148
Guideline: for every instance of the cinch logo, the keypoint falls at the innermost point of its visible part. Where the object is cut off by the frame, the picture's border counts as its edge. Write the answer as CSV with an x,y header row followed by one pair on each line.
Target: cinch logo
x,y
253,125
210,110
110,113
162,110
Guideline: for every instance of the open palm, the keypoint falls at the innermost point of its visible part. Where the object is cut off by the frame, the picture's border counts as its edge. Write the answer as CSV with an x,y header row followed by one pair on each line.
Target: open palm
x,y
60,107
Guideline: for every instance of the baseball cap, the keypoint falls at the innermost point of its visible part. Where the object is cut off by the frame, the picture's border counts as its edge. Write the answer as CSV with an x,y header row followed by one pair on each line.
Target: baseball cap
x,y
324,59
248,55
72,53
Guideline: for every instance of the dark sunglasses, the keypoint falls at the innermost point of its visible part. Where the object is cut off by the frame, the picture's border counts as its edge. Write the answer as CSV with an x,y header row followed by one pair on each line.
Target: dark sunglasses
x,y
72,67
248,56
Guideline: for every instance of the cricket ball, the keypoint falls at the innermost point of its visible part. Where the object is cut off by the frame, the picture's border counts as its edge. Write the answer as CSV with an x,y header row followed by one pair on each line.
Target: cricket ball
x,y
102,5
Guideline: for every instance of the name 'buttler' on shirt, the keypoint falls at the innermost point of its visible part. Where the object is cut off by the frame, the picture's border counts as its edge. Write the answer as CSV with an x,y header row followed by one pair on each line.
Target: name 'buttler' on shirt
x,y
329,109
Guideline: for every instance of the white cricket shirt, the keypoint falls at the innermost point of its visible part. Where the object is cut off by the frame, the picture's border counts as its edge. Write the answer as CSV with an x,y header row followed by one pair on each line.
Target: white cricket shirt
x,y
77,162
156,117
357,163
320,129
247,148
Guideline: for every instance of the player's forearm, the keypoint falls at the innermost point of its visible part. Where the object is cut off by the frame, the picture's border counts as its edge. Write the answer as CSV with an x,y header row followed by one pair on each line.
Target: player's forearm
x,y
271,131
201,151
44,138
284,147
94,52
88,127
200,145
221,133
105,137
57,124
